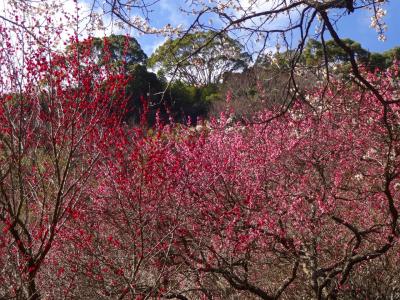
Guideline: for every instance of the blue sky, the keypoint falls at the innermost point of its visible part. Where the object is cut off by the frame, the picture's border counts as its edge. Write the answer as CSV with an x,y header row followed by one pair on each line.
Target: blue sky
x,y
355,26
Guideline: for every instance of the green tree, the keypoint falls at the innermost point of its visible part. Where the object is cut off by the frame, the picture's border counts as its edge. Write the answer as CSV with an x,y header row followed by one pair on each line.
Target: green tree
x,y
191,101
114,50
378,60
124,51
144,86
200,58
119,49
390,56
314,53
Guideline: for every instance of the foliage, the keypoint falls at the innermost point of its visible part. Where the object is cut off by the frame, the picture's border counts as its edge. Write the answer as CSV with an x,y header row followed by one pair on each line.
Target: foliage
x,y
200,58
314,52
144,85
384,60
116,50
191,101
181,100
314,55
